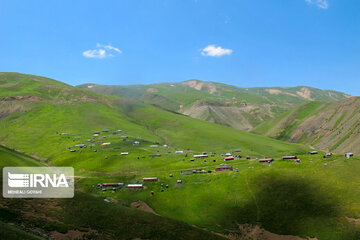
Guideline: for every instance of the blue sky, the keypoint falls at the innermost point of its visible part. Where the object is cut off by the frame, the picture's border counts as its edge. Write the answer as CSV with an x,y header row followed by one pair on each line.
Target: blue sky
x,y
246,43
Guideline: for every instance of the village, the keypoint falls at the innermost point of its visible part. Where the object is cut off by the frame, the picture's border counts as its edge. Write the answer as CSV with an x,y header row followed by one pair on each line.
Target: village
x,y
207,162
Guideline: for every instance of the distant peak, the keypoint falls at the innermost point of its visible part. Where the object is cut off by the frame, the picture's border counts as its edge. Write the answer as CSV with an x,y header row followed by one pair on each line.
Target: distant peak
x,y
200,85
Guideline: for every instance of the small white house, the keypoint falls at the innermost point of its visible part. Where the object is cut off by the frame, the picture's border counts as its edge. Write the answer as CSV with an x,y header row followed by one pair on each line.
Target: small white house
x,y
135,186
136,143
154,146
124,153
178,152
105,144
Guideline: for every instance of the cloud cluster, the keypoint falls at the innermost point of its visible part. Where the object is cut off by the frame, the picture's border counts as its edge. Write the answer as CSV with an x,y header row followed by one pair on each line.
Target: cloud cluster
x,y
320,3
215,51
102,51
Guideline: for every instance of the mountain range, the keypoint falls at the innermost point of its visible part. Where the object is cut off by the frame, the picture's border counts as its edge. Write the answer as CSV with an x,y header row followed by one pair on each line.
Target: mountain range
x,y
240,108
161,127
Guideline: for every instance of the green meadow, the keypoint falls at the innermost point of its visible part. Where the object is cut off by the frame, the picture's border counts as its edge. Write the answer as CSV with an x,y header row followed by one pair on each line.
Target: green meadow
x,y
318,197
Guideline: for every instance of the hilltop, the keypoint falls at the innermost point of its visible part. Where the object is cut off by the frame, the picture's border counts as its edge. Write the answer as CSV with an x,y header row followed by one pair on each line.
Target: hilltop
x,y
22,128
328,126
239,108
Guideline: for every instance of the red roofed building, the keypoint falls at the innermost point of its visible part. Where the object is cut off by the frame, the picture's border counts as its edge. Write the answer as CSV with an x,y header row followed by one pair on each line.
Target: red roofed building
x,y
266,160
223,168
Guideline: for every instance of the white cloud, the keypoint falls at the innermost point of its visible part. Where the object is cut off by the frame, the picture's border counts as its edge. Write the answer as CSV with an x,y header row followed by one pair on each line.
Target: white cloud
x,y
320,3
102,51
215,51
109,47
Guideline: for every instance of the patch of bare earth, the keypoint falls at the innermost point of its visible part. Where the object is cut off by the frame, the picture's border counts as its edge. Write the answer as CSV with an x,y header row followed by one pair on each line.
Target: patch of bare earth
x,y
277,92
143,207
200,85
27,98
251,232
356,221
71,234
305,93
152,90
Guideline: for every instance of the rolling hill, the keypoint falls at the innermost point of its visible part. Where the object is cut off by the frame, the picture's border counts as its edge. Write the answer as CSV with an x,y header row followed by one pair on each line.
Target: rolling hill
x,y
22,128
240,108
83,217
328,126
314,197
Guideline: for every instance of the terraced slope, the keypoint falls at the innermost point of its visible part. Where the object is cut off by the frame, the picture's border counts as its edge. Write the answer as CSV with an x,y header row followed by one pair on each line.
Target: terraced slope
x,y
240,108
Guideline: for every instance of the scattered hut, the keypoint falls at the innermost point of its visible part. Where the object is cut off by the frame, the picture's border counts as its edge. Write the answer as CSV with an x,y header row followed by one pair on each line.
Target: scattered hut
x,y
229,158
135,186
268,160
289,157
113,184
81,145
150,179
223,168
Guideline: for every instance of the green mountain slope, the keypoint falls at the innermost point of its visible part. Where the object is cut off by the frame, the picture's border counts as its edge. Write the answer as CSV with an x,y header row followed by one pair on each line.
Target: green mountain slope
x,y
33,130
328,126
236,107
313,198
83,217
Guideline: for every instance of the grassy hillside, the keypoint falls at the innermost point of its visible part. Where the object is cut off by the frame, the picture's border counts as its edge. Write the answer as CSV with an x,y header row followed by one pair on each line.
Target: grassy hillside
x,y
17,86
329,126
26,131
282,126
83,217
315,198
236,107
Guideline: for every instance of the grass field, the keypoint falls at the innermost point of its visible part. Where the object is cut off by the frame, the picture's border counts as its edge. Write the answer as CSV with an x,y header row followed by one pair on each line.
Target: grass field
x,y
86,215
317,198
